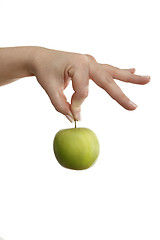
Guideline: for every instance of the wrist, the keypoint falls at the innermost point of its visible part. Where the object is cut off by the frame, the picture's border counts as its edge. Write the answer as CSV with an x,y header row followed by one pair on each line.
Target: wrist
x,y
33,53
39,59
36,59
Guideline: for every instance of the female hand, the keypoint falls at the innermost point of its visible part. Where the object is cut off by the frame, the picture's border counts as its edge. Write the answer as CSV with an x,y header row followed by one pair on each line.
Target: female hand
x,y
54,69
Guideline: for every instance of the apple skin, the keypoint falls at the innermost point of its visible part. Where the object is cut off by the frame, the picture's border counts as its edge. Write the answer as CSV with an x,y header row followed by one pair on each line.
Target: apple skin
x,y
76,148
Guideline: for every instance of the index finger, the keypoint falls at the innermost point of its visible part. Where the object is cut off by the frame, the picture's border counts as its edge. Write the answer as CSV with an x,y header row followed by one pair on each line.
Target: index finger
x,y
80,83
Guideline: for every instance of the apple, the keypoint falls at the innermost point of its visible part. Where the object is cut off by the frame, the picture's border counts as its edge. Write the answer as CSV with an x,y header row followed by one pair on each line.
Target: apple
x,y
76,148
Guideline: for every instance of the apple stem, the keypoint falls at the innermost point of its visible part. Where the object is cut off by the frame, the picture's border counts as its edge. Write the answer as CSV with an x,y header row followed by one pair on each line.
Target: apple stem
x,y
75,124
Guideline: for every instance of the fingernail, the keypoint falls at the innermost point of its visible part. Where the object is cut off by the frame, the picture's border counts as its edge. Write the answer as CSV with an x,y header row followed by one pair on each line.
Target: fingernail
x,y
133,104
70,118
146,76
78,116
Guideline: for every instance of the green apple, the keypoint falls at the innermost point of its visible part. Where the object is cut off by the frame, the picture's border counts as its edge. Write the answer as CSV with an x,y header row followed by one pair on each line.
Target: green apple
x,y
76,148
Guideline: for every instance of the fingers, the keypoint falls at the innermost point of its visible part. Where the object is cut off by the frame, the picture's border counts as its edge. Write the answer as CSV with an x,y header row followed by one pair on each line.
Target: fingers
x,y
80,83
104,80
116,93
127,75
103,75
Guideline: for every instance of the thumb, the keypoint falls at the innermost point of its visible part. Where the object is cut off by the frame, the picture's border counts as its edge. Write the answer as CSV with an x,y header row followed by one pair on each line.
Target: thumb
x,y
59,101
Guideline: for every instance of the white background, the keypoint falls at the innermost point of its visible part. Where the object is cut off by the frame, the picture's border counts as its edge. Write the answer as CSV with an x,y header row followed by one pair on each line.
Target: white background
x,y
119,197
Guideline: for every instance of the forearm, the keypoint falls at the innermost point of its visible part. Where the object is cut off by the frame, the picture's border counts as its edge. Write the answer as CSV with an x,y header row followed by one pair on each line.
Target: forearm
x,y
15,63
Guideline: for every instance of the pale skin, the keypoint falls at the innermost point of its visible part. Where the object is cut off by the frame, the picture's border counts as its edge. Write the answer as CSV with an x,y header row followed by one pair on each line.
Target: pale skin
x,y
54,69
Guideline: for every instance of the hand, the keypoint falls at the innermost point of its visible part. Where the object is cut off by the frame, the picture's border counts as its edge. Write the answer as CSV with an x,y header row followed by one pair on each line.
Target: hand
x,y
54,69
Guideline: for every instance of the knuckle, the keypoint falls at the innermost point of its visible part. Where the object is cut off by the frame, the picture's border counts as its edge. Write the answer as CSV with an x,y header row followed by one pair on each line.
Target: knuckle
x,y
82,60
75,108
114,72
90,57
83,94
